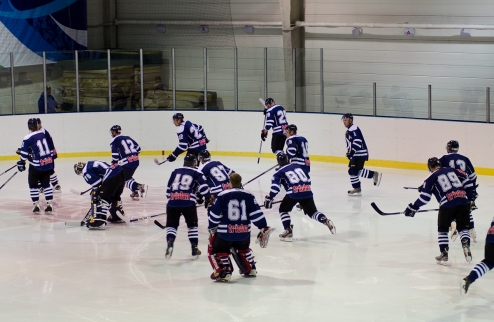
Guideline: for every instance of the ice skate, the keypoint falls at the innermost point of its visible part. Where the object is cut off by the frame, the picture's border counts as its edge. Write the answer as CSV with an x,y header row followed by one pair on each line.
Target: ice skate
x,y
465,284
355,192
287,235
142,189
252,273
473,235
36,207
57,188
330,225
135,195
454,231
377,178
466,250
195,252
48,208
442,259
225,276
169,250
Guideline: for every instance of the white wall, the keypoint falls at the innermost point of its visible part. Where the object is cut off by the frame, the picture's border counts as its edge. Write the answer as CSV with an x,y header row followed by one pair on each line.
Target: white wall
x,y
387,138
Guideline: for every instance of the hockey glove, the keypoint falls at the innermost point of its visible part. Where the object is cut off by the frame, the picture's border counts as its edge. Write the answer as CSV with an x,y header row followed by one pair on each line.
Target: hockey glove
x,y
212,231
410,211
209,202
350,154
263,236
199,199
21,165
55,154
473,206
171,158
268,202
419,188
264,135
18,151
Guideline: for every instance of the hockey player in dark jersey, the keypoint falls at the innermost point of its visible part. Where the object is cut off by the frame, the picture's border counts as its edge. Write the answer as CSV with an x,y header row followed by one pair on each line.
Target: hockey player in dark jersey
x,y
35,147
297,147
357,153
485,265
125,152
53,176
452,189
191,137
181,194
230,218
276,119
107,182
297,183
216,173
457,161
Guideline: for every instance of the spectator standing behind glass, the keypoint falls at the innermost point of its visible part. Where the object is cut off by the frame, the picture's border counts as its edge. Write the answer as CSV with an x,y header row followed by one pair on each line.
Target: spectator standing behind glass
x,y
50,101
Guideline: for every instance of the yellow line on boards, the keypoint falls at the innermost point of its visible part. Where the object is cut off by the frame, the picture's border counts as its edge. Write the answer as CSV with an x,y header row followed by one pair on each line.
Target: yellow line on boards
x,y
317,158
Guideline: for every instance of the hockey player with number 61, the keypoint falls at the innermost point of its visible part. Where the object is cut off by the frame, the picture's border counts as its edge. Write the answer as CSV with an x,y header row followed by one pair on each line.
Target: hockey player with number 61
x,y
230,218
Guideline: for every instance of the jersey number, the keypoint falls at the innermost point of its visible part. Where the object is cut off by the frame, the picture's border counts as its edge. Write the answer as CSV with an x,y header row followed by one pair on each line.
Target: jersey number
x,y
237,210
195,131
128,148
182,184
296,176
43,150
281,117
218,174
449,180
460,163
305,149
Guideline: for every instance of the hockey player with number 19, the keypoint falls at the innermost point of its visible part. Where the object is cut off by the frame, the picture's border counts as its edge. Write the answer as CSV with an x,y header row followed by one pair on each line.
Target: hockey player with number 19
x,y
297,147
297,183
452,189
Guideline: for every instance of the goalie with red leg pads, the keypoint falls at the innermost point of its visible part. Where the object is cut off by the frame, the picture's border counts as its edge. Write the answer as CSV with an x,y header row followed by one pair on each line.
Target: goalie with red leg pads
x,y
230,218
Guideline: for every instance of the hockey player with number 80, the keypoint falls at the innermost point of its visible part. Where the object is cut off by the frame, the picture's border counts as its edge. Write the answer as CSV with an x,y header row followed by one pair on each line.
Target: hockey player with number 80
x,y
230,218
297,183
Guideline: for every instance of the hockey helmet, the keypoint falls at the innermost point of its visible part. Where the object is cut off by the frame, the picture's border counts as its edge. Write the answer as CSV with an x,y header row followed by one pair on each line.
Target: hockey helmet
x,y
291,127
268,100
190,160
204,156
78,167
432,163
452,146
178,116
282,159
32,124
347,116
116,128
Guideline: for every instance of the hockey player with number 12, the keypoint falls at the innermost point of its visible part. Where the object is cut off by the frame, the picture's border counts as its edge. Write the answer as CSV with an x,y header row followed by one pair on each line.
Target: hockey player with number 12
x,y
191,137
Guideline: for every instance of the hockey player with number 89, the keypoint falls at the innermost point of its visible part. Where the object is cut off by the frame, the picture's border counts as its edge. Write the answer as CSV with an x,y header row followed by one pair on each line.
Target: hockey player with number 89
x,y
230,218
216,173
452,189
297,183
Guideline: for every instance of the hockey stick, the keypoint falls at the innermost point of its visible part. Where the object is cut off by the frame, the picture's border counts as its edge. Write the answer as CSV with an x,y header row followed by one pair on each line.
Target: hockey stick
x,y
1,174
157,161
274,202
147,217
263,125
157,223
79,193
260,175
8,180
395,213
410,188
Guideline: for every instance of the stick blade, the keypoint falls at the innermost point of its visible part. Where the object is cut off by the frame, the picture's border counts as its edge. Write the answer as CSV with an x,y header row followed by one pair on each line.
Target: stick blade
x,y
157,223
74,223
75,191
156,161
379,211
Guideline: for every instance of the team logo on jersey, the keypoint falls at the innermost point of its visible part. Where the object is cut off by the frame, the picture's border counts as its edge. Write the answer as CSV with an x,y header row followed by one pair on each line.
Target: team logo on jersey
x,y
456,194
180,196
238,229
301,188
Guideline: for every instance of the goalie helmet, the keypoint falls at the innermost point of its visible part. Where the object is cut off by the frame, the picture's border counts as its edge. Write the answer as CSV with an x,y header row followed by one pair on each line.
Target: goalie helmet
x,y
190,161
432,163
178,116
282,159
78,167
32,124
116,128
452,146
291,127
204,156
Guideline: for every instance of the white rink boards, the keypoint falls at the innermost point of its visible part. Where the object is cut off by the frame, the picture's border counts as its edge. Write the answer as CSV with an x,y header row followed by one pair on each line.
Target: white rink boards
x,y
375,269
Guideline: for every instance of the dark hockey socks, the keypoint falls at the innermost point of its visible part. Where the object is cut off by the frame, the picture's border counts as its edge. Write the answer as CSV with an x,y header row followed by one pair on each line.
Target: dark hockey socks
x,y
285,220
193,235
480,269
442,240
368,174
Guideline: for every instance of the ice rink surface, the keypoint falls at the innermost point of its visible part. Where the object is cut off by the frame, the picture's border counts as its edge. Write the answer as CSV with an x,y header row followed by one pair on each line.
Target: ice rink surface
x,y
374,269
